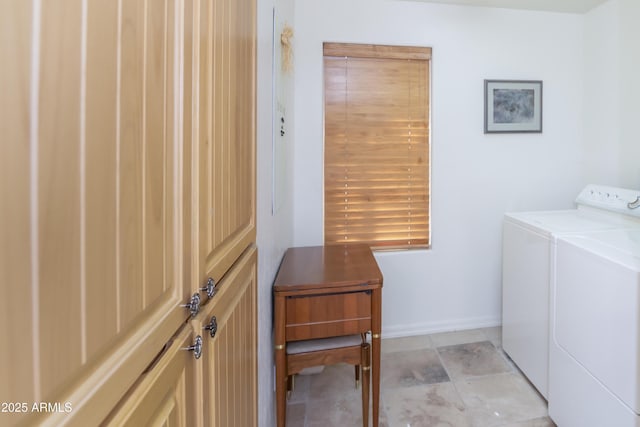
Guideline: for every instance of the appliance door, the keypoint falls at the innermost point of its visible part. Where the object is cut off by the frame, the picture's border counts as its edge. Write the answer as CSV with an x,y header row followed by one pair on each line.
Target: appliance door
x,y
597,314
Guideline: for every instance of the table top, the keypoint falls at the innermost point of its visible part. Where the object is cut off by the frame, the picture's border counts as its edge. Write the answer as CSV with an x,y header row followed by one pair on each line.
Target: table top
x,y
314,267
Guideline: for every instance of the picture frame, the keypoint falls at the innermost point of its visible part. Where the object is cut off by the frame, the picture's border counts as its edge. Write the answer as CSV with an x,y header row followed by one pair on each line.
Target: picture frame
x,y
513,106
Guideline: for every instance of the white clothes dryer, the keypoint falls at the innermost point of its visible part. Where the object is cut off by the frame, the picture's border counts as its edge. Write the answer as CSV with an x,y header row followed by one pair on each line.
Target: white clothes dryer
x,y
595,321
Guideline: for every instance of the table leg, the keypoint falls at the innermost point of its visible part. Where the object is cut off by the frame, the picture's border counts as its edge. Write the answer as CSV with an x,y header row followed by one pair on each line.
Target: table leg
x,y
365,359
375,380
376,327
281,386
280,356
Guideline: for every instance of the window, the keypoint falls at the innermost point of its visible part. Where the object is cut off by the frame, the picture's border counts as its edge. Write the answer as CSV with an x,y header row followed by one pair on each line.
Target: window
x,y
376,153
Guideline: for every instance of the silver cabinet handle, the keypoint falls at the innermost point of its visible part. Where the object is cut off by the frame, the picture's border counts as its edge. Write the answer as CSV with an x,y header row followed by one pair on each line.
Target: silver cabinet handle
x,y
196,347
212,327
194,304
210,287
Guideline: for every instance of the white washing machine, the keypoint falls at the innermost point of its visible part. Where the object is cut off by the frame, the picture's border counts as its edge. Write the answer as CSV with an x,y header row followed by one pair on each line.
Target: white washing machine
x,y
529,240
594,377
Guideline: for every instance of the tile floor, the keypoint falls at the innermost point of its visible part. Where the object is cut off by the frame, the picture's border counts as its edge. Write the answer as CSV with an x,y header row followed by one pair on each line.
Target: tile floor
x,y
454,379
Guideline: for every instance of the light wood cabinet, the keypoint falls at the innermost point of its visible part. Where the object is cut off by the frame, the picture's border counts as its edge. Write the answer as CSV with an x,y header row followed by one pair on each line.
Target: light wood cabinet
x,y
220,68
228,367
99,281
127,179
180,389
163,395
218,387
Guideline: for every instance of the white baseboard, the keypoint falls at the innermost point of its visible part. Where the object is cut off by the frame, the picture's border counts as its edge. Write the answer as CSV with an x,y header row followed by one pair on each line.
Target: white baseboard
x,y
396,331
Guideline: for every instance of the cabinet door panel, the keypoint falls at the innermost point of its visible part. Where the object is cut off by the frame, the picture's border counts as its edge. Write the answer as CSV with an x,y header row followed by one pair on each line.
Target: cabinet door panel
x,y
95,194
225,143
163,395
101,184
58,197
229,368
16,366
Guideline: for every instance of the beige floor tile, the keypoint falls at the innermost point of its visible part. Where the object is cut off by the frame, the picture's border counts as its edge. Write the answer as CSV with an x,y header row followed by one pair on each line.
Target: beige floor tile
x,y
335,381
473,359
500,399
457,337
538,422
300,389
411,368
425,406
296,414
341,412
394,345
345,412
494,335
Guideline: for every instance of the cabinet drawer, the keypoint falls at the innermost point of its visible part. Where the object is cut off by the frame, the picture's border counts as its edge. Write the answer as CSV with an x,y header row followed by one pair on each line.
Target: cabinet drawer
x,y
163,395
327,315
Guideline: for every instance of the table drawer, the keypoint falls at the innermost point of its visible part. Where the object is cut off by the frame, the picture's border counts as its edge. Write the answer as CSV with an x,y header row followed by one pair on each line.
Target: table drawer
x,y
327,315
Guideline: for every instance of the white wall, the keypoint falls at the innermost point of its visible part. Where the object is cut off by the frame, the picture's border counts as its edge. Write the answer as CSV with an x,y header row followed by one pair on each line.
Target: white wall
x,y
274,225
629,87
475,177
602,101
612,94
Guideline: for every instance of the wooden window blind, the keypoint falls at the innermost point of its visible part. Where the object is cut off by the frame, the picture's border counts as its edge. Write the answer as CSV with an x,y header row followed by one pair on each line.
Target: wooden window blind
x,y
376,154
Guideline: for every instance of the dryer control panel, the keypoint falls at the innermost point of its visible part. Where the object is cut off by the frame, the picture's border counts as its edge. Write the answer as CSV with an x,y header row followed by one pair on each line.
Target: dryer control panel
x,y
620,200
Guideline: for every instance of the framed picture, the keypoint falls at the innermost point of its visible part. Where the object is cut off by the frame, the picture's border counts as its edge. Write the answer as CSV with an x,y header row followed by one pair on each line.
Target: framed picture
x,y
512,106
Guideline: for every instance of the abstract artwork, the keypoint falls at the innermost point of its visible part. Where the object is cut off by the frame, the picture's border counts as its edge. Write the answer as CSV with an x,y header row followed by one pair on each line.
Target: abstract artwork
x,y
512,106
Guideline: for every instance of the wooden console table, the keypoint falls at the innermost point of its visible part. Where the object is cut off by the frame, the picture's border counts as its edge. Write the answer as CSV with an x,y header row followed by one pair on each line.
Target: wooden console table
x,y
326,291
